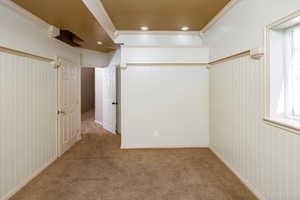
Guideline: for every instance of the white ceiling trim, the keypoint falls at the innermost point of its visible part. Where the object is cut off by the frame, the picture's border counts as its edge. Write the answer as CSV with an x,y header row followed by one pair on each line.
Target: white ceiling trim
x,y
107,24
97,9
228,7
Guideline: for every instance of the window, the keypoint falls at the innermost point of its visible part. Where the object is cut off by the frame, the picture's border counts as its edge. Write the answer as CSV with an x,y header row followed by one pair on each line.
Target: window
x,y
283,73
293,73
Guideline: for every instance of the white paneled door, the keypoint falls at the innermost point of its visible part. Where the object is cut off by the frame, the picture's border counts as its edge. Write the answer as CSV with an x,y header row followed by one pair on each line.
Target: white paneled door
x,y
109,99
68,105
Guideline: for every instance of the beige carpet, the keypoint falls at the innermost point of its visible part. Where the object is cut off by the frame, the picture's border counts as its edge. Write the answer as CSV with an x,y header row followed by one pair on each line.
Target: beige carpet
x,y
96,169
88,124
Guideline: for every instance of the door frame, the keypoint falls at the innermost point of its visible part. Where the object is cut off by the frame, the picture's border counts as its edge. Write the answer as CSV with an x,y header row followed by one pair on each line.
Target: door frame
x,y
118,99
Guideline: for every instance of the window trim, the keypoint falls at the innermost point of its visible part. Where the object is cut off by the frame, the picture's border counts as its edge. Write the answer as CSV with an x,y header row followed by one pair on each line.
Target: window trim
x,y
286,122
289,54
282,125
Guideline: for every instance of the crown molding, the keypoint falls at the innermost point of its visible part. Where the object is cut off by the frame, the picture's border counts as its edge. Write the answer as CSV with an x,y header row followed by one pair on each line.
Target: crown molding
x,y
99,12
228,7
225,10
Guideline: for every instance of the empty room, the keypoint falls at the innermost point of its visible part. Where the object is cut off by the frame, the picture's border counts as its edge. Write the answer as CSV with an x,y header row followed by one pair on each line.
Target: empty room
x,y
149,100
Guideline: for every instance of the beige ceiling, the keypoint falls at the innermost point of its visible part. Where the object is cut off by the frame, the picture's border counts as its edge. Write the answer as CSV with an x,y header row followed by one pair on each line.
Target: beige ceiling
x,y
162,14
73,16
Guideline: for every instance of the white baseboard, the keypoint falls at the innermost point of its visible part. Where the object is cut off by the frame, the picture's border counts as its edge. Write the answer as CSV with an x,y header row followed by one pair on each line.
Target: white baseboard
x,y
109,128
97,122
27,180
165,147
243,180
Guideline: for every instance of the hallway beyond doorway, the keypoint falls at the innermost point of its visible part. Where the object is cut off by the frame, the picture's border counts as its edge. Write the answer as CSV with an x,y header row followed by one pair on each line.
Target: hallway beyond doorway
x,y
89,126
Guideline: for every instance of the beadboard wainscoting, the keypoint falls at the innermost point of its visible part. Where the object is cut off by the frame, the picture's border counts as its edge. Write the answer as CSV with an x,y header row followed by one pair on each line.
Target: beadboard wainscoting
x,y
266,158
27,120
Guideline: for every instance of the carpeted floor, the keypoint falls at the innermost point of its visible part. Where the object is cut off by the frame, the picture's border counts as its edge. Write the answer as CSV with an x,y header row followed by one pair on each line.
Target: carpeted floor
x,y
88,124
96,169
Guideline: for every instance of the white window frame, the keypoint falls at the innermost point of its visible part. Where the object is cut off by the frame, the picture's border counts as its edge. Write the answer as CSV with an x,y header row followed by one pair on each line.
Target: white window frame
x,y
289,68
277,107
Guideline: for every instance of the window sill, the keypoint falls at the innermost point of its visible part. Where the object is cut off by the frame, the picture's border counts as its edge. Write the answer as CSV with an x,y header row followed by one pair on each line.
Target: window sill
x,y
286,124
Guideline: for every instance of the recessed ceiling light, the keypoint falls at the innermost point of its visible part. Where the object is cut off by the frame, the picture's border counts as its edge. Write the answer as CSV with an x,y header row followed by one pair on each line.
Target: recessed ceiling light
x,y
185,28
144,28
99,43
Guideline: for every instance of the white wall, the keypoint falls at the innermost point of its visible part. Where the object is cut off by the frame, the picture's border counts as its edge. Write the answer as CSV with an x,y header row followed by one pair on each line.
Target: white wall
x,y
115,58
265,157
99,95
28,91
159,38
35,40
27,120
242,28
165,55
164,106
22,34
28,140
164,90
90,58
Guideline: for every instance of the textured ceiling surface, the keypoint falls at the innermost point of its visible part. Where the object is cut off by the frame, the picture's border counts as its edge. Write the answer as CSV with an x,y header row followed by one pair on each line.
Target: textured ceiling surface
x,y
73,16
162,14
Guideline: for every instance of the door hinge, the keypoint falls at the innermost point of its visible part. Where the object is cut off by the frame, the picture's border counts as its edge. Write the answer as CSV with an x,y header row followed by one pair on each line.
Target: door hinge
x,y
56,64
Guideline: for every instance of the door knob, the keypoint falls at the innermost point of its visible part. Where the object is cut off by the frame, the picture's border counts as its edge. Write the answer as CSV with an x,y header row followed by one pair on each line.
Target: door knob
x,y
114,103
61,112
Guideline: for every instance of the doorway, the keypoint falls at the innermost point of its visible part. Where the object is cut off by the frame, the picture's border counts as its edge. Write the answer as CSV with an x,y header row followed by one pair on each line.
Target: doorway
x,y
88,124
98,100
